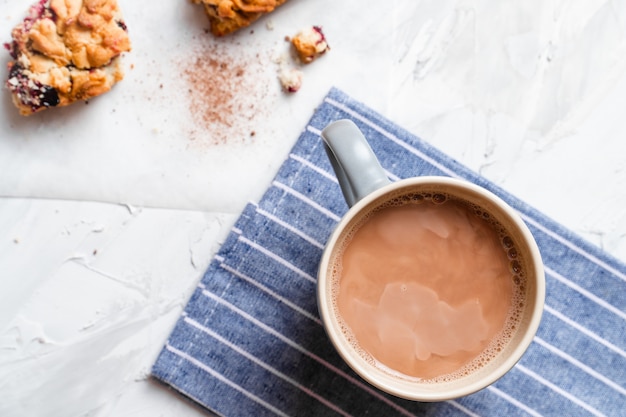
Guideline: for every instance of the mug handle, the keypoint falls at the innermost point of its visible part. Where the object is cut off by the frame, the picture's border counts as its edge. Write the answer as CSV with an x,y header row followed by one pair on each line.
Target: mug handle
x,y
355,165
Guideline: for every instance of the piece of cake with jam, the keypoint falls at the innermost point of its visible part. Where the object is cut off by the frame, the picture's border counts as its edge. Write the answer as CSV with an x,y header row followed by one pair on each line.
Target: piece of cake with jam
x,y
310,44
66,51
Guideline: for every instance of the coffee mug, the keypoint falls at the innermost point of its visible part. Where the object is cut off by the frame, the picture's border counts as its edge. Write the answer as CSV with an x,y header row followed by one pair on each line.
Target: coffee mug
x,y
430,288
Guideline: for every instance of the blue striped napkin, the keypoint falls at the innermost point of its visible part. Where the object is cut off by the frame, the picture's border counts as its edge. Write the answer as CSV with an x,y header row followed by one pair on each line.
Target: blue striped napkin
x,y
250,342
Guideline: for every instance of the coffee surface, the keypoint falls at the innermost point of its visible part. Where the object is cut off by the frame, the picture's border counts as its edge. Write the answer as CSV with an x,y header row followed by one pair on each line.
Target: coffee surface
x,y
428,290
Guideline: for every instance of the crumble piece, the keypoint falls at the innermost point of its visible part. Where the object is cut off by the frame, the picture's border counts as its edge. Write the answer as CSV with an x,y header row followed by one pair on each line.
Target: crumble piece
x,y
228,16
290,79
310,43
65,51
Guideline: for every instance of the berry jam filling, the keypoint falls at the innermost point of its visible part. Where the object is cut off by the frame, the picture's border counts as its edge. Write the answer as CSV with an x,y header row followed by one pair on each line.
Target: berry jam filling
x,y
36,12
122,25
12,48
318,29
30,92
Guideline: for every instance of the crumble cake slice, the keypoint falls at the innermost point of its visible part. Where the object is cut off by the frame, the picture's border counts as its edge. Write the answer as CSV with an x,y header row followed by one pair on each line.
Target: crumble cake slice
x,y
228,16
65,51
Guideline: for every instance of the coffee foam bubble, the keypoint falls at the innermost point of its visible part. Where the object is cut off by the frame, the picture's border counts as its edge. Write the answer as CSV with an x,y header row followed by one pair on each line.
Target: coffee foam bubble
x,y
518,277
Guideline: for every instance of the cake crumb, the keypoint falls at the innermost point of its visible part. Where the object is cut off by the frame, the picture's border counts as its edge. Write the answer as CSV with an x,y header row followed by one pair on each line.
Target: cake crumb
x,y
310,44
290,79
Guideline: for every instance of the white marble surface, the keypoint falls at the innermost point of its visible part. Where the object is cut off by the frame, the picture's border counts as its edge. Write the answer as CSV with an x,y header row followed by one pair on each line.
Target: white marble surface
x,y
111,211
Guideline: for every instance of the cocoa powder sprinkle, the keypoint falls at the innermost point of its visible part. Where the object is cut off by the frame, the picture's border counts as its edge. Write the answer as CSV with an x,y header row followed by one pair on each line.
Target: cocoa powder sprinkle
x,y
224,93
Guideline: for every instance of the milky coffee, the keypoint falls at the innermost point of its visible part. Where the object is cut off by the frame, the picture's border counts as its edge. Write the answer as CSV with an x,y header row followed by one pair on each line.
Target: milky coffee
x,y
428,286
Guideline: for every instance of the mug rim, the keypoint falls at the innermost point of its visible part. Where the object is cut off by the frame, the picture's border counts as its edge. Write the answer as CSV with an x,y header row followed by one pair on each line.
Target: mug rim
x,y
432,391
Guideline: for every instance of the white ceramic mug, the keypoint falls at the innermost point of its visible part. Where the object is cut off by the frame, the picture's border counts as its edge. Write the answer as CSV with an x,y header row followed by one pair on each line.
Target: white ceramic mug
x,y
365,187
